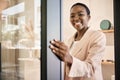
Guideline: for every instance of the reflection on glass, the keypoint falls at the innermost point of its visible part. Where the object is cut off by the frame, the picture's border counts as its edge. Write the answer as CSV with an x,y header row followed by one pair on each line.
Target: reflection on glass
x,y
20,39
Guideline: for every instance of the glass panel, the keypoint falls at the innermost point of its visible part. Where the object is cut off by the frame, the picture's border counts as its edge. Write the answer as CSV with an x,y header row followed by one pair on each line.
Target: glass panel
x,y
20,41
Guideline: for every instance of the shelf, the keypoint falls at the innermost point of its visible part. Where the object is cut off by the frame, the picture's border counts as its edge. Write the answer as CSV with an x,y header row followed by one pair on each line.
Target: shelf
x,y
28,59
108,31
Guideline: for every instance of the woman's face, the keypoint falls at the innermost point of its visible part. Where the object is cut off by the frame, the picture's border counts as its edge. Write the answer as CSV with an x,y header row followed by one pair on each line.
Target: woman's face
x,y
78,17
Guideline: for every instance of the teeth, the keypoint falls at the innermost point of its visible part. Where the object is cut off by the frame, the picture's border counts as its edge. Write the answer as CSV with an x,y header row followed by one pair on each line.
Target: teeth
x,y
77,23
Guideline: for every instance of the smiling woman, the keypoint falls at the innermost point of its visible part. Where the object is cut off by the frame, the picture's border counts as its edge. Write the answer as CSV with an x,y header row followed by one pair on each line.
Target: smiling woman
x,y
97,15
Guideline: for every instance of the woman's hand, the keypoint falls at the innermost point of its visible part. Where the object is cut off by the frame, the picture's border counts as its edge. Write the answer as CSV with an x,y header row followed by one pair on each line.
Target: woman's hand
x,y
61,51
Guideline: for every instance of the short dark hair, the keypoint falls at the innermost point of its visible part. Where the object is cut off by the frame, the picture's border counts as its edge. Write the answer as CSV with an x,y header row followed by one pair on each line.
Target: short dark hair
x,y
81,4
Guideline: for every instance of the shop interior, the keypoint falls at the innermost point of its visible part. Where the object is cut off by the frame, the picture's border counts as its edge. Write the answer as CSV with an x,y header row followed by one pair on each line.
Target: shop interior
x,y
21,39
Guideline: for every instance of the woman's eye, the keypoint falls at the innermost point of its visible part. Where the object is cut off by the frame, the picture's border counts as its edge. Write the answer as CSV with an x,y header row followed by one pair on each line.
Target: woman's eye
x,y
72,16
80,14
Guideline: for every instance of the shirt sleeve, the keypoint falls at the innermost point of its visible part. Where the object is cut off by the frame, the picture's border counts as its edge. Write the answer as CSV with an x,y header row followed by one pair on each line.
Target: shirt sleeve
x,y
88,67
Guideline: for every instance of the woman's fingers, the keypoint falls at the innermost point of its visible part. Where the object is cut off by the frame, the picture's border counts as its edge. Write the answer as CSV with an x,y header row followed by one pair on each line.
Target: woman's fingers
x,y
58,44
59,49
58,52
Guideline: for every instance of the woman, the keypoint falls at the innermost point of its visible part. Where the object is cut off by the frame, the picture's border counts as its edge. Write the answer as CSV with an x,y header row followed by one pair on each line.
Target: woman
x,y
83,52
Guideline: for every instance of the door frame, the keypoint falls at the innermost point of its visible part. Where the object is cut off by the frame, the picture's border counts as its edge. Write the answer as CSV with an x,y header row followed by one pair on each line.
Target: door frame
x,y
50,29
117,38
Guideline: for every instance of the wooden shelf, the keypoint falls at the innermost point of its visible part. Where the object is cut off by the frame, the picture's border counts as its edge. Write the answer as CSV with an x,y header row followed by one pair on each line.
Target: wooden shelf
x,y
108,31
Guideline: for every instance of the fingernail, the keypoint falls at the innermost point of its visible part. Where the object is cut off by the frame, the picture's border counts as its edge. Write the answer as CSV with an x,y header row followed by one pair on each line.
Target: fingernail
x,y
54,51
51,46
52,41
55,40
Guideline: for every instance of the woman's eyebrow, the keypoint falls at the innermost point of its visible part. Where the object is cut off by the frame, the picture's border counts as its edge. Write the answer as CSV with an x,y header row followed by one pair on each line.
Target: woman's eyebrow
x,y
80,11
77,12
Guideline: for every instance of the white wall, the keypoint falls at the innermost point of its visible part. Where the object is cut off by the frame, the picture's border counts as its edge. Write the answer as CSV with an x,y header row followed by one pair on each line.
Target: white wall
x,y
100,10
109,53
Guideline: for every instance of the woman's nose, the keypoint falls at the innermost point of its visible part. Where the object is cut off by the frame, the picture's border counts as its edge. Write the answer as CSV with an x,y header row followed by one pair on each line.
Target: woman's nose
x,y
76,18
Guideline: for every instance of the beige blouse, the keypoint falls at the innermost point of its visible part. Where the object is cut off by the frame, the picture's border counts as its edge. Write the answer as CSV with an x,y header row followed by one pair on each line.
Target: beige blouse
x,y
87,54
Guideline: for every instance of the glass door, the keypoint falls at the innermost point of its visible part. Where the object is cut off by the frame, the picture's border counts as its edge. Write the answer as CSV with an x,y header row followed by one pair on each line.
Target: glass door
x,y
20,39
